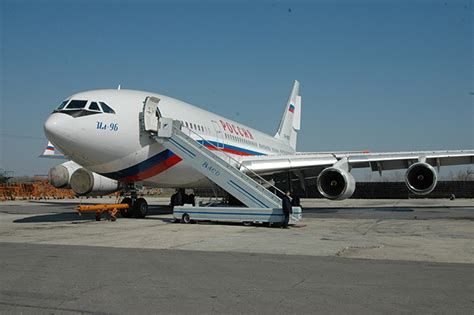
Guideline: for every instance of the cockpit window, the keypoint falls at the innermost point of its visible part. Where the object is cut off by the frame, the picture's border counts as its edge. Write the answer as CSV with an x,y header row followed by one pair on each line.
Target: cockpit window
x,y
80,108
62,105
106,108
76,104
94,106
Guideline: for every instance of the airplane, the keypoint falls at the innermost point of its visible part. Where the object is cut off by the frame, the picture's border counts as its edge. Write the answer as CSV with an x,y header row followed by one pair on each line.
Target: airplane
x,y
101,133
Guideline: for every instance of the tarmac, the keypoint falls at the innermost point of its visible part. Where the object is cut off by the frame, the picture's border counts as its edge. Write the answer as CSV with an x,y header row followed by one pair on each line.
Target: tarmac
x,y
352,256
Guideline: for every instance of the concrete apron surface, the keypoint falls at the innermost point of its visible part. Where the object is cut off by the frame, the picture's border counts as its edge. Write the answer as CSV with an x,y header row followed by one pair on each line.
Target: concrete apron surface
x,y
434,240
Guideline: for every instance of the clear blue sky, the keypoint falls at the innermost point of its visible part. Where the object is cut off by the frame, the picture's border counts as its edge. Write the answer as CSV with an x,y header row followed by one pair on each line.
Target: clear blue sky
x,y
377,75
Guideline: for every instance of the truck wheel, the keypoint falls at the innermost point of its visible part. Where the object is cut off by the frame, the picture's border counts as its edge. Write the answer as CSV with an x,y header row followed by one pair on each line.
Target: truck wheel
x,y
186,219
126,213
140,208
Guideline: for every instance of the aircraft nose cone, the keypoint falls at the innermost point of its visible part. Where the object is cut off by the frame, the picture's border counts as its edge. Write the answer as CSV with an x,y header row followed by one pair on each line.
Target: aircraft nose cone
x,y
51,126
56,128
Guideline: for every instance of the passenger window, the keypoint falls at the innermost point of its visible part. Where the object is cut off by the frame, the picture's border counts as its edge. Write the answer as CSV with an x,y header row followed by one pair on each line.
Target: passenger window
x,y
94,106
76,104
106,108
186,124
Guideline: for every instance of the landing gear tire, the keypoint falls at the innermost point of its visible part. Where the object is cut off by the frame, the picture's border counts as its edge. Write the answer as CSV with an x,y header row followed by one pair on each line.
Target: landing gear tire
x,y
186,219
140,208
127,213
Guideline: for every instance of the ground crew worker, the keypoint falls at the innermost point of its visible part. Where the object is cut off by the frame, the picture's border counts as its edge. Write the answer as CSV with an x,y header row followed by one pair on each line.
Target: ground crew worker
x,y
177,198
286,207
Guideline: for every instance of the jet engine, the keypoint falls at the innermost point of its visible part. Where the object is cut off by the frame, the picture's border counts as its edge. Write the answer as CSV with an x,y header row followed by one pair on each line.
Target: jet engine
x,y
421,178
60,175
336,184
84,182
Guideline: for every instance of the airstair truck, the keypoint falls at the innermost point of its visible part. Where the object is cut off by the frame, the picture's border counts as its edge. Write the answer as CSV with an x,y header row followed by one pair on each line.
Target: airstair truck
x,y
263,205
188,213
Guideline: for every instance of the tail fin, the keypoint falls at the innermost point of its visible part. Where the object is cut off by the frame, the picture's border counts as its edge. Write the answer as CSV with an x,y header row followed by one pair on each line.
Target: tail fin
x,y
51,152
291,120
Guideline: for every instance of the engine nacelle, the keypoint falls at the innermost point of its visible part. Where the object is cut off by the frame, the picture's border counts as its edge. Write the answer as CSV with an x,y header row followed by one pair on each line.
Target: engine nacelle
x,y
336,184
84,182
60,175
421,178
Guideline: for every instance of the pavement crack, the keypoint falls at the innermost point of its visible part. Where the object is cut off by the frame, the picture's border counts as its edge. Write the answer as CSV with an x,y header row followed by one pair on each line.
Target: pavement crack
x,y
368,229
298,283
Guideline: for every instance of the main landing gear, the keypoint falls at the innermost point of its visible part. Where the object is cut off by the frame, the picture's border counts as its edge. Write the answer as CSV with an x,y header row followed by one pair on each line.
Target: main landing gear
x,y
137,207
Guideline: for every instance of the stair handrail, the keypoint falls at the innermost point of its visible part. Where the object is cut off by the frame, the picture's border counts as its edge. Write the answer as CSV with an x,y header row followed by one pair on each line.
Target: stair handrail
x,y
230,157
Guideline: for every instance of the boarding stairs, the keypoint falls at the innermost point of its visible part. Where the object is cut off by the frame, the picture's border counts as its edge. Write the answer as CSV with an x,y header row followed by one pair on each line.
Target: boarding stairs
x,y
169,133
235,182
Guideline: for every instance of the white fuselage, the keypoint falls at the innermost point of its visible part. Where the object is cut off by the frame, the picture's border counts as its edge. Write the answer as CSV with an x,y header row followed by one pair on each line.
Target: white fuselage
x,y
114,144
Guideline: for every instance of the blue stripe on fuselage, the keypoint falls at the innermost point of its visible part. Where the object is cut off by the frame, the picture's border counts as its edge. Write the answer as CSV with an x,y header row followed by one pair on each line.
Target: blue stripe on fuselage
x,y
230,147
140,167
163,156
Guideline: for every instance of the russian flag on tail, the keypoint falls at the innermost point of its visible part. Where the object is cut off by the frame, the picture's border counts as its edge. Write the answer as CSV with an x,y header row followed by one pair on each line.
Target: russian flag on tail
x,y
50,152
292,108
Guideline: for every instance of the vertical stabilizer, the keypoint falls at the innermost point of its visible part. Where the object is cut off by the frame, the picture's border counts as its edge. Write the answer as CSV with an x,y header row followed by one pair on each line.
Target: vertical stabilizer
x,y
51,152
290,123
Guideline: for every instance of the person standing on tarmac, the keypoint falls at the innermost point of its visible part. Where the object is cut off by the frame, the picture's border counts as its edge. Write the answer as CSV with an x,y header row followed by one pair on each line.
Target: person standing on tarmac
x,y
286,207
177,198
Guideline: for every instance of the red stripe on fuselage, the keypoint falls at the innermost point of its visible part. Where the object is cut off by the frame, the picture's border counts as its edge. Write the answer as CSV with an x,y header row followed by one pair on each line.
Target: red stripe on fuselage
x,y
155,170
227,150
170,162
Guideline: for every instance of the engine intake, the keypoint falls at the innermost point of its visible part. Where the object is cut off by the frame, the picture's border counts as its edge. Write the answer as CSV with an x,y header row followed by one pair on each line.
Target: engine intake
x,y
60,175
421,178
84,182
336,184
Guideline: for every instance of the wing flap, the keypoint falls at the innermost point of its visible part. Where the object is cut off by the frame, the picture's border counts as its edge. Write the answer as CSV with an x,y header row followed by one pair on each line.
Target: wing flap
x,y
402,160
375,161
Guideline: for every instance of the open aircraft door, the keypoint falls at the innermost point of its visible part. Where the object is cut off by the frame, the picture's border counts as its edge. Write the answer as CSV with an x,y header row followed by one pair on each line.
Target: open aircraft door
x,y
219,134
151,113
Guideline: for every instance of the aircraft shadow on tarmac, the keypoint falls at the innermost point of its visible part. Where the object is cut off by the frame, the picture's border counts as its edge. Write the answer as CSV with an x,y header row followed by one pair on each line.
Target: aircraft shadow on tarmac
x,y
365,209
73,217
88,216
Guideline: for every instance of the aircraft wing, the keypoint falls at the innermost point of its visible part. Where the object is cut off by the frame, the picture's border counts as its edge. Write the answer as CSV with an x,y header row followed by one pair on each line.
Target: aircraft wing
x,y
315,162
